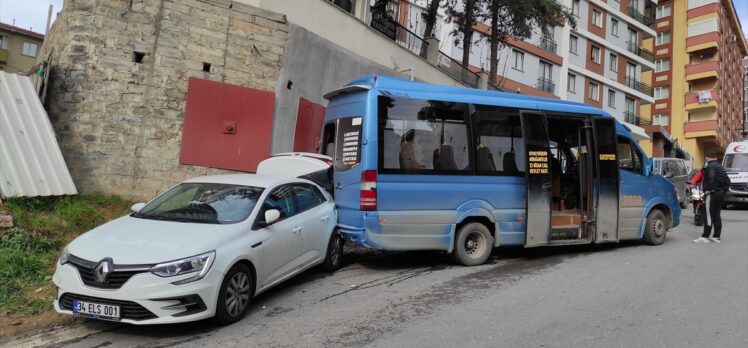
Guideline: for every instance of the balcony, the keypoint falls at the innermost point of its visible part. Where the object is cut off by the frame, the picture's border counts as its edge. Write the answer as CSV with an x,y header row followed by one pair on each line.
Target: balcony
x,y
632,118
633,83
709,69
384,24
701,129
639,51
548,45
701,100
545,85
647,20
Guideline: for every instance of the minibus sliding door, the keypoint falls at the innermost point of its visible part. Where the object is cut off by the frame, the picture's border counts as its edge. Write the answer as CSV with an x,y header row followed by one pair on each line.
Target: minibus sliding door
x,y
606,222
538,178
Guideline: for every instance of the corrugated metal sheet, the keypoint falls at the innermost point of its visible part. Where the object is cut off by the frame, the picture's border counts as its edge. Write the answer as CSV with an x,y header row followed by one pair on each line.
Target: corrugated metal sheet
x,y
31,163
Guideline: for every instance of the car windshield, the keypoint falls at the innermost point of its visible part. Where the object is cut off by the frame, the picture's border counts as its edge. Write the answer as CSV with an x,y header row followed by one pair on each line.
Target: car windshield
x,y
203,203
736,162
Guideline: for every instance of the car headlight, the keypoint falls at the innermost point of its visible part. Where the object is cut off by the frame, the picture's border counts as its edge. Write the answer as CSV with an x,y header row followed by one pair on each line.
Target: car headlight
x,y
199,264
64,256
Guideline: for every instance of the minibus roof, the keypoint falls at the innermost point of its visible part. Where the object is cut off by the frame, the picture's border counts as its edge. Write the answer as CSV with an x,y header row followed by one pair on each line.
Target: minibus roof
x,y
368,82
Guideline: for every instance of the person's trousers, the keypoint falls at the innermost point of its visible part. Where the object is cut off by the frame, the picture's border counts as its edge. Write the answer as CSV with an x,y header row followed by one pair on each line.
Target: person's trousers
x,y
713,212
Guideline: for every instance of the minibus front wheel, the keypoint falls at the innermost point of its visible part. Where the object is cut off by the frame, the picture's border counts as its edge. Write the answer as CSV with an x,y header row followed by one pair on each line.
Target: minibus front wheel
x,y
656,229
473,244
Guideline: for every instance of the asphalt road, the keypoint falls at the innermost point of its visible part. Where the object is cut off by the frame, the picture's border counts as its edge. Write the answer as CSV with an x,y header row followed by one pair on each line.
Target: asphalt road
x,y
678,294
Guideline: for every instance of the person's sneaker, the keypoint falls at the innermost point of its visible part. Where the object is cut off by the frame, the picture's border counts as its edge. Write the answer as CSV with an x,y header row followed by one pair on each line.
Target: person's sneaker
x,y
702,240
715,240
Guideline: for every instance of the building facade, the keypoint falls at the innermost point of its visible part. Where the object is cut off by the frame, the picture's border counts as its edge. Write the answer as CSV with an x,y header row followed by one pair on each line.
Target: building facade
x,y
698,83
18,48
745,96
606,60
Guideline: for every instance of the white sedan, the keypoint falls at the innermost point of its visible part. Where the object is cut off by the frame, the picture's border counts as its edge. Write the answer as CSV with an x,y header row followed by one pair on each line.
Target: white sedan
x,y
203,248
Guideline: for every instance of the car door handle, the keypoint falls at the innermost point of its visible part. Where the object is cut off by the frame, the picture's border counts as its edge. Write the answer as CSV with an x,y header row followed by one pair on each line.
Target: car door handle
x,y
325,218
297,230
339,186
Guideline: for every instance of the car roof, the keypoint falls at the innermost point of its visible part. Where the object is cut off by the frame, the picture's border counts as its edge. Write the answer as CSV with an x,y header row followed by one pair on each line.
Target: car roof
x,y
255,180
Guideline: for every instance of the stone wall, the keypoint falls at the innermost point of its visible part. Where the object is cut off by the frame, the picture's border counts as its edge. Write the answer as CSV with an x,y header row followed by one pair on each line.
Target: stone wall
x,y
119,118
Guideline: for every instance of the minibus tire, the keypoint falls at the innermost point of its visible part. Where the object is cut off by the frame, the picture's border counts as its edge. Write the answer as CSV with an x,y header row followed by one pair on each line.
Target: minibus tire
x,y
334,254
223,316
656,230
477,233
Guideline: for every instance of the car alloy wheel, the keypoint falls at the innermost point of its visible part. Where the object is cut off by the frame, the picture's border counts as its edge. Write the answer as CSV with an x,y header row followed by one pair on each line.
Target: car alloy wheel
x,y
237,294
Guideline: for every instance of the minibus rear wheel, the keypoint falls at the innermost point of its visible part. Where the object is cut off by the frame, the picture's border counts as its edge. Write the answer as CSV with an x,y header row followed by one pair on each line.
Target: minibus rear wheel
x,y
473,244
656,229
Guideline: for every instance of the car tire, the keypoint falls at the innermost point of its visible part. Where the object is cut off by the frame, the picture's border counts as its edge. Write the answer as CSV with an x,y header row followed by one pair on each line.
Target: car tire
x,y
473,244
235,295
656,230
334,254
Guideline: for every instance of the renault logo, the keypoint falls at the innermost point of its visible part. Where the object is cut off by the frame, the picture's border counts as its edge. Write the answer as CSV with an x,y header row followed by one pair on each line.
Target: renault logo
x,y
102,270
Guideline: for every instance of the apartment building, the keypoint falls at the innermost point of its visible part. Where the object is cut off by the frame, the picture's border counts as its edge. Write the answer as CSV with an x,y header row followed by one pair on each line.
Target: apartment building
x,y
605,61
698,85
745,96
18,48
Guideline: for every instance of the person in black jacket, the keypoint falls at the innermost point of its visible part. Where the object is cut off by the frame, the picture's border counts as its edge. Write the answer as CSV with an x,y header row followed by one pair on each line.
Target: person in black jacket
x,y
715,184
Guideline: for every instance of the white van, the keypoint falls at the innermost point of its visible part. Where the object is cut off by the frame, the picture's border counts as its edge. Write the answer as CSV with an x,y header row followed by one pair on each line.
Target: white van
x,y
736,165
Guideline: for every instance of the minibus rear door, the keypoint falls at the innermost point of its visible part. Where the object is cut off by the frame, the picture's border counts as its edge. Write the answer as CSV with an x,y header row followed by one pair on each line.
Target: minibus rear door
x,y
606,221
538,178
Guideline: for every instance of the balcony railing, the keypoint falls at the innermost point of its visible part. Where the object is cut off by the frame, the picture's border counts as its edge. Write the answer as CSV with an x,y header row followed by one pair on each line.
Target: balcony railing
x,y
639,51
647,20
632,118
545,85
701,97
454,68
639,86
548,45
386,25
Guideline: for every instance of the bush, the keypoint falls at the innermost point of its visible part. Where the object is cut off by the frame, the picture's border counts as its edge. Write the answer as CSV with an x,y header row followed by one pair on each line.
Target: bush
x,y
24,264
28,253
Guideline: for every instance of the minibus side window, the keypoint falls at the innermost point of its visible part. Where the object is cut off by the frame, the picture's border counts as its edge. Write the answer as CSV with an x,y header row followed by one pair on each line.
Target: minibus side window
x,y
423,137
629,157
348,143
500,148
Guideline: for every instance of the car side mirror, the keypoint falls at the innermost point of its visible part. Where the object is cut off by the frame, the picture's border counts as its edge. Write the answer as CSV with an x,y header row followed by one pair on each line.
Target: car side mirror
x,y
271,216
137,207
669,175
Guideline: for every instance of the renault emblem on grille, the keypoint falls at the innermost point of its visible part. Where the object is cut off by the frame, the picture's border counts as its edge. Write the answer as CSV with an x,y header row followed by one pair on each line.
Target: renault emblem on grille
x,y
102,270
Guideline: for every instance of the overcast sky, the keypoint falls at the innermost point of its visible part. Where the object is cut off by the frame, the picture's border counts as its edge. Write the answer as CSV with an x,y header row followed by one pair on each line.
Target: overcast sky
x,y
33,13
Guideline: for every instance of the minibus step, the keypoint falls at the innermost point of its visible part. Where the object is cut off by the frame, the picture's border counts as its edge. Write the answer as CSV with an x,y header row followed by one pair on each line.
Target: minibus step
x,y
565,232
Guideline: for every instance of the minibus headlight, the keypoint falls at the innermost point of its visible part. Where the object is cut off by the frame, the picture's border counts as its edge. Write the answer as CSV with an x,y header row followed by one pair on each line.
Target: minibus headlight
x,y
199,264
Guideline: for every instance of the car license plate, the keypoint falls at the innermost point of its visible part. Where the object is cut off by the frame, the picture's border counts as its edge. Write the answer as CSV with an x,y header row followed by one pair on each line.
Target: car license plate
x,y
96,310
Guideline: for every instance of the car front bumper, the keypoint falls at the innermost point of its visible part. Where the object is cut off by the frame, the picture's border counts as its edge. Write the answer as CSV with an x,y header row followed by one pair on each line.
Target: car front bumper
x,y
732,197
145,298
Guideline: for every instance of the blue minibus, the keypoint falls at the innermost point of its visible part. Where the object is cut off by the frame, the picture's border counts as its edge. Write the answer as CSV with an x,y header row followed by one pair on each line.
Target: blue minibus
x,y
427,167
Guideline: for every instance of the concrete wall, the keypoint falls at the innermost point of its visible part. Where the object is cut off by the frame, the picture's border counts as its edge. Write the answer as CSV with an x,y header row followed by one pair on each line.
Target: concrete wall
x,y
313,66
343,29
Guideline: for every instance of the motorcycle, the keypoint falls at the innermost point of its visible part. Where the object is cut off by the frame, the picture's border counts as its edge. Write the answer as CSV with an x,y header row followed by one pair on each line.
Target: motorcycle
x,y
697,198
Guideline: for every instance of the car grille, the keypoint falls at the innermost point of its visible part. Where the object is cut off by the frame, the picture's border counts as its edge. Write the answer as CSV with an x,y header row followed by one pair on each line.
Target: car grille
x,y
128,310
739,187
119,276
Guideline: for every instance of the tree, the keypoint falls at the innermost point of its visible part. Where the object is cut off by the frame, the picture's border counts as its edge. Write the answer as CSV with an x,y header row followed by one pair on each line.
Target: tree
x,y
430,17
518,19
465,13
